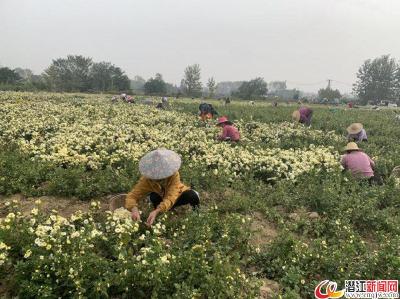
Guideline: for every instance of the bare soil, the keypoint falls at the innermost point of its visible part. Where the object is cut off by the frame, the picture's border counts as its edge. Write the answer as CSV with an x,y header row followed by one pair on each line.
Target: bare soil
x,y
263,231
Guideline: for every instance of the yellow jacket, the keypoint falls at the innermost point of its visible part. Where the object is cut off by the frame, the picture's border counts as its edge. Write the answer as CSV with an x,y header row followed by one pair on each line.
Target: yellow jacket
x,y
169,189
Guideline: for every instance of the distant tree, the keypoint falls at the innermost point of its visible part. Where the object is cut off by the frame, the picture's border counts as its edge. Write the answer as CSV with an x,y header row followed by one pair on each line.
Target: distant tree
x,y
296,95
378,80
211,87
138,83
105,76
155,85
252,89
69,74
100,76
25,74
38,82
277,85
329,93
227,88
119,80
171,89
192,81
9,76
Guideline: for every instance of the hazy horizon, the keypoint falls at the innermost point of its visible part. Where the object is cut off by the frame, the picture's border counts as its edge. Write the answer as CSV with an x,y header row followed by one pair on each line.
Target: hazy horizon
x,y
303,42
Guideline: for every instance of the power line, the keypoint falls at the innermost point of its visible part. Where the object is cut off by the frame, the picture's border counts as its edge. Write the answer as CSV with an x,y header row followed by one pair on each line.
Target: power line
x,y
319,83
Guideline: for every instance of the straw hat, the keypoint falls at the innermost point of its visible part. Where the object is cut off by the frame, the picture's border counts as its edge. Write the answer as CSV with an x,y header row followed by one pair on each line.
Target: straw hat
x,y
296,115
351,146
354,128
117,201
159,164
222,119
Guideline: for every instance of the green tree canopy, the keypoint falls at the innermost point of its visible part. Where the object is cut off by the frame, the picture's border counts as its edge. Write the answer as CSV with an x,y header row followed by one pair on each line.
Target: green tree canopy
x,y
378,80
119,80
138,83
155,85
78,73
277,85
101,76
69,74
252,89
9,76
329,93
192,83
211,87
25,74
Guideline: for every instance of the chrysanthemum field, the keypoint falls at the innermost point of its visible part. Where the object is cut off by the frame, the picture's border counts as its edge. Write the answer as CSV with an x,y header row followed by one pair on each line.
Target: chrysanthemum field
x,y
275,207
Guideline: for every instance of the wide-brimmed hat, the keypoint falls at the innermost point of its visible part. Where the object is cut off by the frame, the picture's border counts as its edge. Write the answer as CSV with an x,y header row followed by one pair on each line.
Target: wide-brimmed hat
x,y
159,164
222,119
351,146
296,115
354,128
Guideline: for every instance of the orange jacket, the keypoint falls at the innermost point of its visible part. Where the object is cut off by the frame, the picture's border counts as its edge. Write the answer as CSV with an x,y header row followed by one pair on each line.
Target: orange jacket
x,y
170,189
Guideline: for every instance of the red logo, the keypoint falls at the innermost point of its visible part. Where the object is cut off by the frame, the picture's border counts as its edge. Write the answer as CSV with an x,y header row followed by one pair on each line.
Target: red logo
x,y
327,289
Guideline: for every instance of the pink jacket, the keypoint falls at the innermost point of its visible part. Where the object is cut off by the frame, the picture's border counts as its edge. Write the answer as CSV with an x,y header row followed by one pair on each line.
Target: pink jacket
x,y
230,132
359,163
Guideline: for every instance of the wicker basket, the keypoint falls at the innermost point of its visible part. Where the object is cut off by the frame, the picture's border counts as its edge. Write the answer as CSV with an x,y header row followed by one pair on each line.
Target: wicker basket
x,y
117,201
396,172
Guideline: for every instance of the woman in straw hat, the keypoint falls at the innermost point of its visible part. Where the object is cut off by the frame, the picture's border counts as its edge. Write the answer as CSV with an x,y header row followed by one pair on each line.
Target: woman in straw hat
x,y
229,131
160,178
358,162
356,133
303,115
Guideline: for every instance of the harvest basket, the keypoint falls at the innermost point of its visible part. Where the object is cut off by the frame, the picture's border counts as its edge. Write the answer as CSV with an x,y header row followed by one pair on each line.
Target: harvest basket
x,y
396,172
117,201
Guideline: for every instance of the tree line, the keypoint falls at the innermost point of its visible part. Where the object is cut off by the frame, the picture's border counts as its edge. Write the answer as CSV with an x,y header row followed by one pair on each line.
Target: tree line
x,y
75,73
377,80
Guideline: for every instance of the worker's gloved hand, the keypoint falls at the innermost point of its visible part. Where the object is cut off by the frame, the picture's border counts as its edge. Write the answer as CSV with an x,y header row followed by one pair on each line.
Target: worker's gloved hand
x,y
135,214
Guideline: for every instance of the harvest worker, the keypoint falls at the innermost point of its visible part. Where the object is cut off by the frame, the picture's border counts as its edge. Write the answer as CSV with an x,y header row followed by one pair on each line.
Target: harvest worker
x,y
229,132
129,100
303,115
359,163
160,179
356,133
206,111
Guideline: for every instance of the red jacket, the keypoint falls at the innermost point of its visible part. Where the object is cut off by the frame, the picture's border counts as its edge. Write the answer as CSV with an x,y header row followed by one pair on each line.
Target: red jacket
x,y
230,132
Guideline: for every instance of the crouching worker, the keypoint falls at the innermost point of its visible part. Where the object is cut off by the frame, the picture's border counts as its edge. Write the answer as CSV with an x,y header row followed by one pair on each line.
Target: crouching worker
x,y
356,133
303,115
206,111
358,162
229,131
160,179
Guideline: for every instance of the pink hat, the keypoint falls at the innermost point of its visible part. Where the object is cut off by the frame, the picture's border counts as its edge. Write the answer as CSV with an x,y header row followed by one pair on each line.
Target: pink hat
x,y
222,119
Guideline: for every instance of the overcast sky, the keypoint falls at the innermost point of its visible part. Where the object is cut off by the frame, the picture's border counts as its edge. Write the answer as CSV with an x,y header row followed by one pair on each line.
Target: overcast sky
x,y
302,41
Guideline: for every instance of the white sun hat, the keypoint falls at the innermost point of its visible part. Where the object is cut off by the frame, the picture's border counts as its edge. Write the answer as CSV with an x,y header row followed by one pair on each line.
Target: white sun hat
x,y
159,164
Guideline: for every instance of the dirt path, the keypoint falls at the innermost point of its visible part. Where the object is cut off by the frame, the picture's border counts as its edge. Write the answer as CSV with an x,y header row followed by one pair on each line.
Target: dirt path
x,y
64,206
